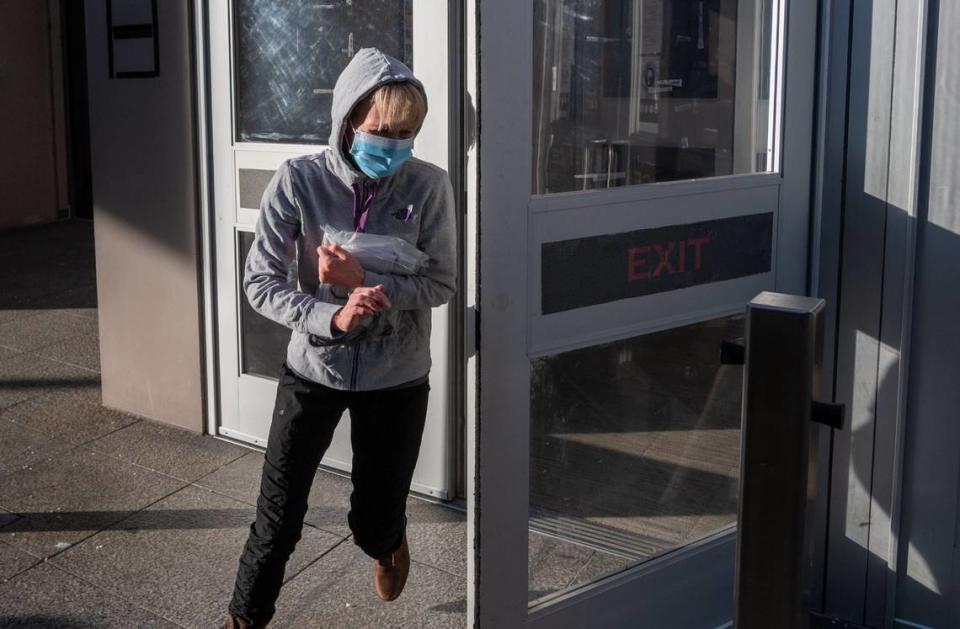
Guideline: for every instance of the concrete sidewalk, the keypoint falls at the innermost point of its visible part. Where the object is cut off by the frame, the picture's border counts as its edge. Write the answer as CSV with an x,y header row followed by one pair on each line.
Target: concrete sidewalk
x,y
109,520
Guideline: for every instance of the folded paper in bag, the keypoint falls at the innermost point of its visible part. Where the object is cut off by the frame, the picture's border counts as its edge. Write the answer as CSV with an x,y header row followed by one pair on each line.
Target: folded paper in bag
x,y
379,253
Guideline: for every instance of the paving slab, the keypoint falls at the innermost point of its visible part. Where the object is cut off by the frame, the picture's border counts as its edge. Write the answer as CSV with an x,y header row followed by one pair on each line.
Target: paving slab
x,y
178,452
20,447
437,535
31,290
82,350
24,376
6,517
12,312
49,327
27,292
328,502
13,561
80,301
6,353
45,597
42,262
65,244
68,497
68,416
239,479
338,591
179,557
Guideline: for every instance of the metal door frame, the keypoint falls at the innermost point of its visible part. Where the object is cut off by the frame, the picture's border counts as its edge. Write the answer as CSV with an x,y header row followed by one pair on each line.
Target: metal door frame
x,y
660,590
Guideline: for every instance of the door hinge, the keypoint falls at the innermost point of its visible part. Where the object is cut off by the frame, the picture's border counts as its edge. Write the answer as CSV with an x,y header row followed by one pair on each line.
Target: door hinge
x,y
473,331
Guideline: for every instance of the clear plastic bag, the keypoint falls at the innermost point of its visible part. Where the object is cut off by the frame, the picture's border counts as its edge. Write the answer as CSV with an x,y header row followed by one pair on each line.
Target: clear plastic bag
x,y
379,253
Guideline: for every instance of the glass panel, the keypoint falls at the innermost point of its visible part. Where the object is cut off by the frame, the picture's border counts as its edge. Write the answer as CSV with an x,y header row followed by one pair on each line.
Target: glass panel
x,y
252,182
263,343
634,450
637,91
288,56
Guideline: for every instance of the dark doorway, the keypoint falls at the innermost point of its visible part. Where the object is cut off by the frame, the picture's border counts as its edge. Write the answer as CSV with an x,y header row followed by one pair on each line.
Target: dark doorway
x,y
78,120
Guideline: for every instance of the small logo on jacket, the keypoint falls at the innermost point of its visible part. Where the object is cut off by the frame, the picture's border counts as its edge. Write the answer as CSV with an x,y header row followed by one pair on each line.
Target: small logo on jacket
x,y
403,214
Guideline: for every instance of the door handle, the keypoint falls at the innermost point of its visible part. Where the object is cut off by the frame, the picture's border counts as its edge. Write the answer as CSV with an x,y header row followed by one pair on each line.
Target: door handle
x,y
732,352
832,414
828,413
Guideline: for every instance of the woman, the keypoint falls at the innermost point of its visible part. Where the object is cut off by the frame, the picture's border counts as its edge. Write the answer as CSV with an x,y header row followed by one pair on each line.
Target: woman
x,y
360,339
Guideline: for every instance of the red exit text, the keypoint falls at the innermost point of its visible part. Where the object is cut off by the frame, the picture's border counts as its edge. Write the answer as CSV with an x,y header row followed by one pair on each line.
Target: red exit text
x,y
649,261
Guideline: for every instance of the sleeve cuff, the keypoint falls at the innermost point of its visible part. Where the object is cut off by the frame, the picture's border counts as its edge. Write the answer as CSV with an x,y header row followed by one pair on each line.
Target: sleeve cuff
x,y
372,278
320,320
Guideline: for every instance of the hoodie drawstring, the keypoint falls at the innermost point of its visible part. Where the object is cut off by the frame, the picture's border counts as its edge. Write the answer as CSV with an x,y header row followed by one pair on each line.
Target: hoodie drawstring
x,y
363,195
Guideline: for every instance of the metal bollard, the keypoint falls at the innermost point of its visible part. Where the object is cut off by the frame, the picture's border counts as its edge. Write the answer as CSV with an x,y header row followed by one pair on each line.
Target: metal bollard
x,y
778,460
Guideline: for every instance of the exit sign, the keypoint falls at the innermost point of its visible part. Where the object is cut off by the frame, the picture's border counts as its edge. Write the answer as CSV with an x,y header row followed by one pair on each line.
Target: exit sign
x,y
600,269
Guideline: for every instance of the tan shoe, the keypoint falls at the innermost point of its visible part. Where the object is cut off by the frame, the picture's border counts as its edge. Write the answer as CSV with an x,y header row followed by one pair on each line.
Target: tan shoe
x,y
232,622
390,571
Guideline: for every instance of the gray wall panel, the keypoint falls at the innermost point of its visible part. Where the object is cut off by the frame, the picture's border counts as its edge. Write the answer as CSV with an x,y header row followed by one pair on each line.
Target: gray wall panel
x,y
884,116
146,225
868,127
927,580
896,307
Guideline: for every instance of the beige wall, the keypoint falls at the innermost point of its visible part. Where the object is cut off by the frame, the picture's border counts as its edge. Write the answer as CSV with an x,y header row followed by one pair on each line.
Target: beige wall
x,y
33,182
146,225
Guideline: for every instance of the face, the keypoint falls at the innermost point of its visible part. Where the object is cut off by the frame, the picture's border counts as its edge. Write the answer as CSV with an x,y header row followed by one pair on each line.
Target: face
x,y
366,118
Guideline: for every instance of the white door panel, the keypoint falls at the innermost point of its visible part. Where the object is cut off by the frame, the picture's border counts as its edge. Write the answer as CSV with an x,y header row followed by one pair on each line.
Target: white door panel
x,y
270,88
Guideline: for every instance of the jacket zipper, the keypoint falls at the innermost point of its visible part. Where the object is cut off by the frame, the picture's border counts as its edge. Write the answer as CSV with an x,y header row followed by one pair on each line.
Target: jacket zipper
x,y
356,363
361,209
363,196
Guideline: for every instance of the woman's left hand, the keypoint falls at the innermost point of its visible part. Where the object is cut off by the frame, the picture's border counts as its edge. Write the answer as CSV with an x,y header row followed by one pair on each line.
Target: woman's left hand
x,y
338,267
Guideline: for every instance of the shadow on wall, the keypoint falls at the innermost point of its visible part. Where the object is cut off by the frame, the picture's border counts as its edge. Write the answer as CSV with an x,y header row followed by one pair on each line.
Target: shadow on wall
x,y
143,144
925,575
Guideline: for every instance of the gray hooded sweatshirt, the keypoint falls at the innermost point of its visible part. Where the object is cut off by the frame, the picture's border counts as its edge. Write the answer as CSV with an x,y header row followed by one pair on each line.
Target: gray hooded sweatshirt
x,y
416,203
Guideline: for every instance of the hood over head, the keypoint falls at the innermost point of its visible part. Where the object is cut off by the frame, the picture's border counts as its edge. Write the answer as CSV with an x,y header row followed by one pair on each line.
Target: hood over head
x,y
369,69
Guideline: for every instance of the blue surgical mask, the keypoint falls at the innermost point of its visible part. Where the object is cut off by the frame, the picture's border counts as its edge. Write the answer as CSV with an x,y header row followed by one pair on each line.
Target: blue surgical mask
x,y
379,156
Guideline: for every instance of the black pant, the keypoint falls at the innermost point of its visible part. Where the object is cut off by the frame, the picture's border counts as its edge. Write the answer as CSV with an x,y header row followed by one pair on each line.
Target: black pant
x,y
385,433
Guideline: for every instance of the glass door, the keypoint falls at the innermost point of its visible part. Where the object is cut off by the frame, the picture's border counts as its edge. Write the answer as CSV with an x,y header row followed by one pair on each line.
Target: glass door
x,y
644,172
272,70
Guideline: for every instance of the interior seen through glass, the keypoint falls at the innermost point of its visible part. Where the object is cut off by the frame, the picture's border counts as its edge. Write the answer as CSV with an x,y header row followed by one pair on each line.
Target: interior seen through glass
x,y
288,56
263,343
634,450
637,91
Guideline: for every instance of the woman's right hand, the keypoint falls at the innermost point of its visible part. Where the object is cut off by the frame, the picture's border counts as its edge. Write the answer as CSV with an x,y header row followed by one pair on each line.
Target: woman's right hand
x,y
364,301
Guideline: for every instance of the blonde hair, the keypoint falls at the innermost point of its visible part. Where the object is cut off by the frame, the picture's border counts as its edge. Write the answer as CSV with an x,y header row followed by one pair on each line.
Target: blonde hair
x,y
401,105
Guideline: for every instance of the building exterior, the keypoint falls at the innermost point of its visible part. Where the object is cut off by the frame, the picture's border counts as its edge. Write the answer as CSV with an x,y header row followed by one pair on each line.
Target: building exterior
x,y
630,173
